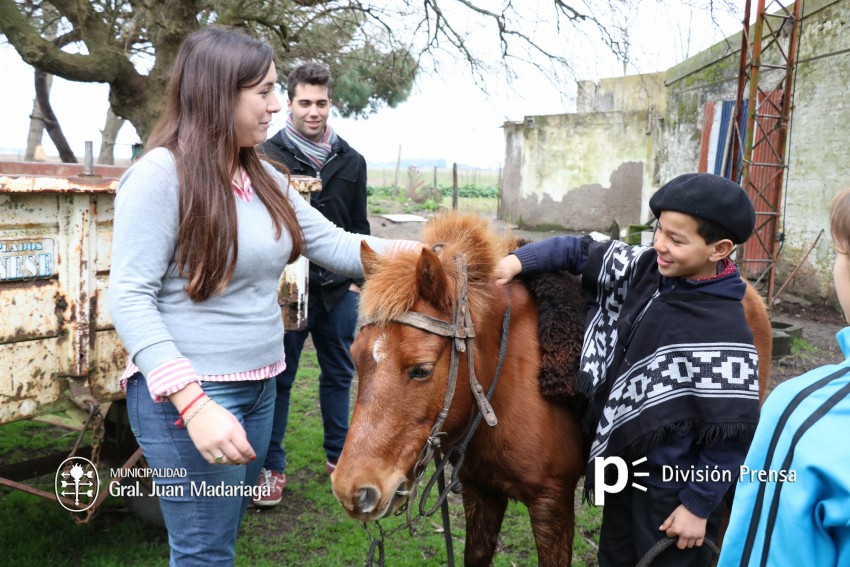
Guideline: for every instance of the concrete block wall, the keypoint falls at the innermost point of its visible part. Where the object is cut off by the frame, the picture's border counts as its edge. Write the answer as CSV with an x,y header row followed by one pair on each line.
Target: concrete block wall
x,y
575,171
585,170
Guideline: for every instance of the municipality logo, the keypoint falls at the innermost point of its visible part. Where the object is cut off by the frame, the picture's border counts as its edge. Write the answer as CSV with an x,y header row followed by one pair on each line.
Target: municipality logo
x,y
77,484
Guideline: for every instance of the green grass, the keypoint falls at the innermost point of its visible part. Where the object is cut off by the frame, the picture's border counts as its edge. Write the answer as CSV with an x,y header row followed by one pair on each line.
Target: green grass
x,y
36,532
308,529
800,346
481,198
480,205
384,204
39,436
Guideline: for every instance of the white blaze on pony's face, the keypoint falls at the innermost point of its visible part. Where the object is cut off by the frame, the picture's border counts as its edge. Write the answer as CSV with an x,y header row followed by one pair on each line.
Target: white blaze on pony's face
x,y
378,349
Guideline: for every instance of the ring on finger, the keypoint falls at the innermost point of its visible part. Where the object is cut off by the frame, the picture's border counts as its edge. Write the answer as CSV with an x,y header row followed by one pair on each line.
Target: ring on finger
x,y
219,459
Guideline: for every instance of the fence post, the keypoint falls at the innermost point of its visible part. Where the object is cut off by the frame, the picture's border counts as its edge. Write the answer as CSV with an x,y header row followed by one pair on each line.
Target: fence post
x,y
397,166
499,193
454,186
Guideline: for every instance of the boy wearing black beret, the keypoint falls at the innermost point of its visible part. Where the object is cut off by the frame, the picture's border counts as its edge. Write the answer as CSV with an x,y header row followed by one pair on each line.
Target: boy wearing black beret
x,y
668,365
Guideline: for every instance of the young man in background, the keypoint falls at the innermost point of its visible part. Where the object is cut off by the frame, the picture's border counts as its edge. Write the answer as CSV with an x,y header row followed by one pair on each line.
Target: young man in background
x,y
307,145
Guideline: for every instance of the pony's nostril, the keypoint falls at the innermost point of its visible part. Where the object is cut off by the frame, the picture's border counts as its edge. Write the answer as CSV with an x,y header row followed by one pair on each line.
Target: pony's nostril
x,y
367,499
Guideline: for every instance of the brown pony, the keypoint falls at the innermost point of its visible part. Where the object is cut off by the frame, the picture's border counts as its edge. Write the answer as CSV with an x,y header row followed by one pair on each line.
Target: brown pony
x,y
759,322
535,454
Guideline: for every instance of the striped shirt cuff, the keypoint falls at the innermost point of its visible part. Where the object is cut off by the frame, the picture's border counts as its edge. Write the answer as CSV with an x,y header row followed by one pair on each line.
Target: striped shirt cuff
x,y
169,377
398,246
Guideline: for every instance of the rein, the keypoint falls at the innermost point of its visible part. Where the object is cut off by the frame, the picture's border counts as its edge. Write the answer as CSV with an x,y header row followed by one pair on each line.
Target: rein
x,y
663,544
463,332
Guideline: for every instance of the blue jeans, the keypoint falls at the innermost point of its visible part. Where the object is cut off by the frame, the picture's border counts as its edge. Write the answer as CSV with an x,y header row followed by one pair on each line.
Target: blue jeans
x,y
333,333
202,525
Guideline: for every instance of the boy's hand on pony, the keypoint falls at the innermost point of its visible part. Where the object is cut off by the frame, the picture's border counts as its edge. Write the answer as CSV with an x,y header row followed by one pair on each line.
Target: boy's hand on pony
x,y
506,269
689,527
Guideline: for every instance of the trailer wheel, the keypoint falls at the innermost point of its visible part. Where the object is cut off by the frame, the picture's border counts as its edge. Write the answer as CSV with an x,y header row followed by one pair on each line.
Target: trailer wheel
x,y
118,446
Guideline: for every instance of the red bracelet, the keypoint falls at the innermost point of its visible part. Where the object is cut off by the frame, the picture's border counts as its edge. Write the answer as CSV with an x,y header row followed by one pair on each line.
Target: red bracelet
x,y
179,422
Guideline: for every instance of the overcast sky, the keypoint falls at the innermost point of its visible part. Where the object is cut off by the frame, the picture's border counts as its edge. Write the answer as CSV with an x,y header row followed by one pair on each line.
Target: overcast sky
x,y
446,117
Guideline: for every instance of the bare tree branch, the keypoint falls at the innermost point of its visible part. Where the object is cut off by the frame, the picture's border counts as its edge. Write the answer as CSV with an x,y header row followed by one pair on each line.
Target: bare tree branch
x,y
48,118
375,46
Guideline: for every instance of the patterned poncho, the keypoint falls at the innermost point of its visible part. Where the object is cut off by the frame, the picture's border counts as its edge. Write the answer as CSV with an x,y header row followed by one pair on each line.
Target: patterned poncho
x,y
663,356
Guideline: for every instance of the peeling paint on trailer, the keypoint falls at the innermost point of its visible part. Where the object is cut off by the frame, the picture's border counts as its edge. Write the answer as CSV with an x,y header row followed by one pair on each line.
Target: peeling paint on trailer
x,y
46,184
293,286
53,232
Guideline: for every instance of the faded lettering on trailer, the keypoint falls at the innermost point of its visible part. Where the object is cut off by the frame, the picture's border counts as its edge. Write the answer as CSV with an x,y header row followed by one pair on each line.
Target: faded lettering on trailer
x,y
27,260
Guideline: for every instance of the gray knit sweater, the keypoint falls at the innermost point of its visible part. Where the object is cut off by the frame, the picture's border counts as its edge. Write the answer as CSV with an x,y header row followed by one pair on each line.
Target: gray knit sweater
x,y
237,330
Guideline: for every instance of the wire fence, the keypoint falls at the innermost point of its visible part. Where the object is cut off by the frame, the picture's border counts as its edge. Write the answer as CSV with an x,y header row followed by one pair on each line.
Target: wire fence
x,y
465,189
433,177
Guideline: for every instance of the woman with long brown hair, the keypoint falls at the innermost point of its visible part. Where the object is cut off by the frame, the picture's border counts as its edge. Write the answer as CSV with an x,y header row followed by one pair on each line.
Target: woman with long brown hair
x,y
202,232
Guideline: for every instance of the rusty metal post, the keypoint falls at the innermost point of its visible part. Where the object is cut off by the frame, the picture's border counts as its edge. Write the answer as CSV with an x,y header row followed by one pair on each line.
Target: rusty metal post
x,y
737,142
89,170
755,71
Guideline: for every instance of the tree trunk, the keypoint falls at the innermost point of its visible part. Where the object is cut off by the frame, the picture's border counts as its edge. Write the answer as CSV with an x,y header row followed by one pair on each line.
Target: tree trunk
x,y
108,136
36,131
54,130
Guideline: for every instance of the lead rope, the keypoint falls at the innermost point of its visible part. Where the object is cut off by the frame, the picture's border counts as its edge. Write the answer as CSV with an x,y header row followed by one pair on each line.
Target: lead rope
x,y
663,544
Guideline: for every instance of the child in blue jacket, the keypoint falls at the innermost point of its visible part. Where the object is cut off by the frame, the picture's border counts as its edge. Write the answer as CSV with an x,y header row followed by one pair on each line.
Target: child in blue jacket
x,y
668,365
792,502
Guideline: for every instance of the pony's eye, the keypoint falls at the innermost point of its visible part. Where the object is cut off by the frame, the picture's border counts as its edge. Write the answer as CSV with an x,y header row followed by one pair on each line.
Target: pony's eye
x,y
420,371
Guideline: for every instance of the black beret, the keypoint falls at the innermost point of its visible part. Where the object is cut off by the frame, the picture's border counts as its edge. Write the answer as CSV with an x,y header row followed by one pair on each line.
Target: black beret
x,y
709,197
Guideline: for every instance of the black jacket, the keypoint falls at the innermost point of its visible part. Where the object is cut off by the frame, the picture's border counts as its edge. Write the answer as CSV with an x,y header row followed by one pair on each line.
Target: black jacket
x,y
342,200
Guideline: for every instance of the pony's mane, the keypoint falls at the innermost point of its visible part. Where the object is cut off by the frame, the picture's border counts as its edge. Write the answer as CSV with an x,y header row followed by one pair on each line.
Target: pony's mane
x,y
391,289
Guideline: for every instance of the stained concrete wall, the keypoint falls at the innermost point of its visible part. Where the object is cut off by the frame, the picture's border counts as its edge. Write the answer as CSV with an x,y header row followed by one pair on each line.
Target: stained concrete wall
x,y
817,146
584,171
631,93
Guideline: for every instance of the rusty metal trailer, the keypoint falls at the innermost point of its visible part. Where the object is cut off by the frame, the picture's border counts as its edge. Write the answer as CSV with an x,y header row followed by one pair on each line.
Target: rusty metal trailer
x,y
59,354
60,357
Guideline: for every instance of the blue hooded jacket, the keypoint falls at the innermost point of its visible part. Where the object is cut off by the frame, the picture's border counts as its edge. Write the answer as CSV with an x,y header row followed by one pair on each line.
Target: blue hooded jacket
x,y
792,502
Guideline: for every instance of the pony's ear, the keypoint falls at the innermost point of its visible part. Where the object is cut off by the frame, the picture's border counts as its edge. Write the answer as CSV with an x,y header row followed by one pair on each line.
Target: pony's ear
x,y
431,279
369,259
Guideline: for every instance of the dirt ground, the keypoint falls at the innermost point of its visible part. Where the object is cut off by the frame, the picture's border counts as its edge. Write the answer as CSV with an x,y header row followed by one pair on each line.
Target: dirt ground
x,y
819,322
